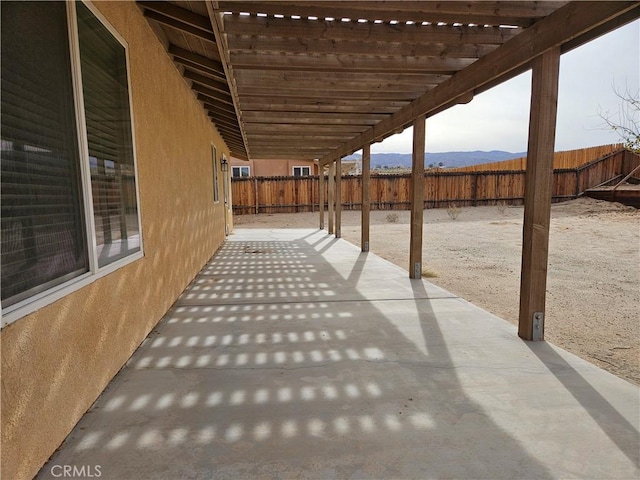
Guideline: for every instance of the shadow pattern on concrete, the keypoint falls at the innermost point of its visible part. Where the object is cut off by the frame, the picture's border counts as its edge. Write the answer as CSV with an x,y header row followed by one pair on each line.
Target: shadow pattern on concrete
x,y
293,355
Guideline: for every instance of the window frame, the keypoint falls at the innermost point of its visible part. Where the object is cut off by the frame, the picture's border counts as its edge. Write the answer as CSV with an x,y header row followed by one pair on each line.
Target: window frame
x,y
241,167
301,167
216,174
41,299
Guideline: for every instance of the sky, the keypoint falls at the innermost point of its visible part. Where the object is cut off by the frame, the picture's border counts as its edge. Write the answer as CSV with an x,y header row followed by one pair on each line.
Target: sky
x,y
498,119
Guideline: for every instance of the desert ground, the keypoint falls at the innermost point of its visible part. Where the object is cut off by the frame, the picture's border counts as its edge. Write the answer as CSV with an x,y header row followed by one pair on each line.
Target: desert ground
x,y
593,285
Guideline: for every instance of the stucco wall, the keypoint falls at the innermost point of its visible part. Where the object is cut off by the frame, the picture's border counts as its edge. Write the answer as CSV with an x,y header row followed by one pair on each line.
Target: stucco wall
x,y
56,361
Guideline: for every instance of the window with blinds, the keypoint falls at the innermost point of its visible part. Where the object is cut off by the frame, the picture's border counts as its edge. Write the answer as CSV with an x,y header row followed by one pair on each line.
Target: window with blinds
x,y
47,228
42,214
106,105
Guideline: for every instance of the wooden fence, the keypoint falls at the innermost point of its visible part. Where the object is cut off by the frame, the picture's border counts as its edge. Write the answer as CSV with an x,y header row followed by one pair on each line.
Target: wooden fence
x,y
567,159
442,188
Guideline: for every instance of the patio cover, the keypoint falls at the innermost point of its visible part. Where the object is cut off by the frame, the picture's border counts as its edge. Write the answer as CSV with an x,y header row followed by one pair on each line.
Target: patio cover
x,y
319,80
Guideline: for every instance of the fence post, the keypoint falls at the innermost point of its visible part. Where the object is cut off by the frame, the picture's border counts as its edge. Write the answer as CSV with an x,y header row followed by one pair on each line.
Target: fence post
x,y
474,192
255,191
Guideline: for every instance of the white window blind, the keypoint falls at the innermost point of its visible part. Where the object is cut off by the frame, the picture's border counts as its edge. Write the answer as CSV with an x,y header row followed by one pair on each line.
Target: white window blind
x,y
50,184
42,217
106,106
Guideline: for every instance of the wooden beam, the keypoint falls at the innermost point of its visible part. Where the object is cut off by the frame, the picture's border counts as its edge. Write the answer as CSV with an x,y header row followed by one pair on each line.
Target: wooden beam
x,y
260,84
215,17
528,9
281,156
213,94
404,95
285,109
224,106
348,63
321,201
297,129
267,138
537,196
183,15
262,103
302,149
223,122
178,25
213,84
567,23
264,44
232,140
366,204
339,78
229,130
417,198
338,197
221,112
206,62
485,13
255,118
332,199
313,117
199,68
602,29
363,32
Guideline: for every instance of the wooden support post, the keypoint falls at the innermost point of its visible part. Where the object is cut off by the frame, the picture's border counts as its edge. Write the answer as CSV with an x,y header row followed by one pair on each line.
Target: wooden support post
x,y
366,203
537,196
321,194
331,199
338,197
417,198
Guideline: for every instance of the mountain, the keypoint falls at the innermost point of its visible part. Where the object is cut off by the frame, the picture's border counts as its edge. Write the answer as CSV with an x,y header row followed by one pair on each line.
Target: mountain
x,y
449,159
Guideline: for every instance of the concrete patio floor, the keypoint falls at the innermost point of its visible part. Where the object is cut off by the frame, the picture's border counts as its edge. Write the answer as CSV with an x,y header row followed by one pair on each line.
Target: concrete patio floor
x,y
294,355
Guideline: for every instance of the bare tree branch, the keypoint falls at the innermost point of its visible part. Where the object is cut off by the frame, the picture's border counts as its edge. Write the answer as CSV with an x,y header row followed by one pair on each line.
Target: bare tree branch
x,y
626,121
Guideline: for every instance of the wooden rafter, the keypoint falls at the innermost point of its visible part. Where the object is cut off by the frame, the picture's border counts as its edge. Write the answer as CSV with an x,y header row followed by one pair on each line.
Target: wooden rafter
x,y
348,63
205,62
199,62
327,94
487,13
319,79
367,32
179,14
211,82
216,22
223,97
179,25
243,43
337,79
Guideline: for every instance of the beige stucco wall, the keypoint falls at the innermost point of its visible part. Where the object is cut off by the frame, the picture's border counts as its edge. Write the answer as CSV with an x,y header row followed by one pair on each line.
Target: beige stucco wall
x,y
56,361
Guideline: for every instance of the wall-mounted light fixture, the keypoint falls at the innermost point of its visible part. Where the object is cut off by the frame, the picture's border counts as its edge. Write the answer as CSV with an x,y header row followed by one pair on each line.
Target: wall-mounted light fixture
x,y
224,164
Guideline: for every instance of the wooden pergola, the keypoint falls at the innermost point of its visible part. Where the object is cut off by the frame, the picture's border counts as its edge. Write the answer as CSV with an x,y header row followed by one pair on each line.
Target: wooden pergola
x,y
320,80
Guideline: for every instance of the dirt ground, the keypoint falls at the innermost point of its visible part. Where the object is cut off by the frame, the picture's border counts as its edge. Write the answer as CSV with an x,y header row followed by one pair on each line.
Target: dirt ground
x,y
593,286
